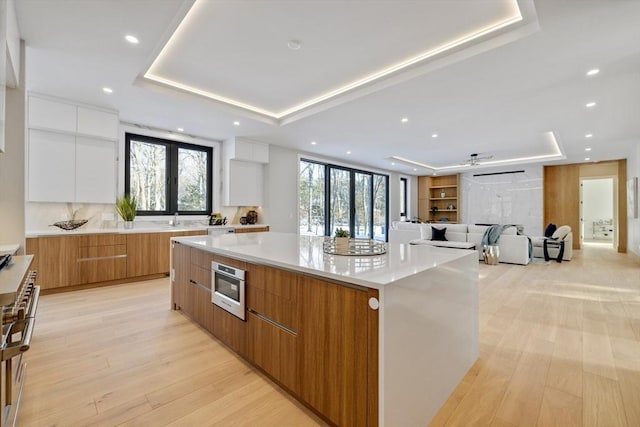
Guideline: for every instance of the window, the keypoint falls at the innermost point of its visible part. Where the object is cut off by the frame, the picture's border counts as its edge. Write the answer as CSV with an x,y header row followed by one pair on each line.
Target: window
x,y
338,197
403,197
168,176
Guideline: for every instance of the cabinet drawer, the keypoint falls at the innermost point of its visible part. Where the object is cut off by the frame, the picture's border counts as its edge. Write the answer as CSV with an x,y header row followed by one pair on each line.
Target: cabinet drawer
x,y
273,293
201,259
102,240
102,263
201,276
273,349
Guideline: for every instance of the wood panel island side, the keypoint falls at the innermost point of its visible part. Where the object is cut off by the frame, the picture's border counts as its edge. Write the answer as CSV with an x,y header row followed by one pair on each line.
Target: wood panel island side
x,y
361,340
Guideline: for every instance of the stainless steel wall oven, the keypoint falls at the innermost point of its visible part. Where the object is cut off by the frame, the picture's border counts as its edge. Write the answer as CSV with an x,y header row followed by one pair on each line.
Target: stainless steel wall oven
x,y
228,289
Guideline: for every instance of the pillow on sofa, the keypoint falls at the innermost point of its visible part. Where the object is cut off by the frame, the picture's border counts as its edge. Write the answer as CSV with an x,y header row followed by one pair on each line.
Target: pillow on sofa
x,y
438,234
551,228
561,232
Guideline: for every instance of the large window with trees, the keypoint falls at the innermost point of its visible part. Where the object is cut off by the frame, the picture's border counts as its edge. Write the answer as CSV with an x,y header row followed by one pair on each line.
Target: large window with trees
x,y
168,176
334,196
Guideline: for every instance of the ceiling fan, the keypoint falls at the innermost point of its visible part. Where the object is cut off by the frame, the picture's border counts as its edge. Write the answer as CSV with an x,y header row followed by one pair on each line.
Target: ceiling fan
x,y
474,159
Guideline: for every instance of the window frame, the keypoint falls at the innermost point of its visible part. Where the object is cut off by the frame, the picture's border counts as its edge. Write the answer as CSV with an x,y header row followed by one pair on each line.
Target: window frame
x,y
171,168
352,185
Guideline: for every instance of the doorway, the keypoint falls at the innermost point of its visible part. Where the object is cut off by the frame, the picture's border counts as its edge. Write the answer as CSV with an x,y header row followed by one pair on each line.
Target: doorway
x,y
597,211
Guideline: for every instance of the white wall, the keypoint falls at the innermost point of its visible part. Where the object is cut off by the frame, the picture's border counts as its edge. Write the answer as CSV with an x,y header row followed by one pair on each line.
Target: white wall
x,y
597,203
504,199
633,224
12,164
281,190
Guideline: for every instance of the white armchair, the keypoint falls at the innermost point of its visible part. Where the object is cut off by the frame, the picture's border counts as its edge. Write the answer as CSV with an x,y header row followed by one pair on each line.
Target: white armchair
x,y
558,247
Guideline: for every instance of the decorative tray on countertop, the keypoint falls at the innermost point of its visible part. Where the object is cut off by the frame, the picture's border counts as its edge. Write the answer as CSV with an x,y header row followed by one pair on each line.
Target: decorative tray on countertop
x,y
356,247
70,225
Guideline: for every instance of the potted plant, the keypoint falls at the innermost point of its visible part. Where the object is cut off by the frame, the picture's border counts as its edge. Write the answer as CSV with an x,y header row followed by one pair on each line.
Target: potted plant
x,y
126,207
341,238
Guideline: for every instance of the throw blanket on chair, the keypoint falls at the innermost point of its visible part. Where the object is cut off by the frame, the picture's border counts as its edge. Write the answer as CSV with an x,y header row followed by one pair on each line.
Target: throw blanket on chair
x,y
492,234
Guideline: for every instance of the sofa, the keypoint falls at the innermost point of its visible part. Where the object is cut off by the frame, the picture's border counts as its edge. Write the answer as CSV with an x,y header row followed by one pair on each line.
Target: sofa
x,y
514,248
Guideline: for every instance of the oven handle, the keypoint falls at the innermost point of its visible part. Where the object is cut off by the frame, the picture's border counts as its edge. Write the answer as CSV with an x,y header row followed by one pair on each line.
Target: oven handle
x,y
227,275
23,345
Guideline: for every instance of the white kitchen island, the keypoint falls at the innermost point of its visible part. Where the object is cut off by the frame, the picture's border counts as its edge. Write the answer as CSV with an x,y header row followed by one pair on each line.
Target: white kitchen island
x,y
427,320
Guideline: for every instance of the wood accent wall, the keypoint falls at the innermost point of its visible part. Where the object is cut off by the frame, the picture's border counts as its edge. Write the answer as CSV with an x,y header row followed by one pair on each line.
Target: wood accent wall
x,y
561,198
561,201
622,206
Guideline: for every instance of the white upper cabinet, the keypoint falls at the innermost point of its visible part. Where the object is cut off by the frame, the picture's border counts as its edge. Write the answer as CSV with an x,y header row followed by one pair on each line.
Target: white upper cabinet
x,y
97,123
95,170
51,167
71,152
246,150
243,172
52,115
64,116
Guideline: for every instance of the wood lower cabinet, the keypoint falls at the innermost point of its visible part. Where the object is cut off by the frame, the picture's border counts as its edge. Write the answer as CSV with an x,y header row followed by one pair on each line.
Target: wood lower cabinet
x,y
273,349
82,259
101,257
316,338
55,260
148,253
251,229
333,351
273,294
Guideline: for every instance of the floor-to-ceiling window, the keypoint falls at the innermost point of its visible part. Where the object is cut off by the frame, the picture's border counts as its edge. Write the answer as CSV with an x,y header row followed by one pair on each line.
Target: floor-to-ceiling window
x,y
334,197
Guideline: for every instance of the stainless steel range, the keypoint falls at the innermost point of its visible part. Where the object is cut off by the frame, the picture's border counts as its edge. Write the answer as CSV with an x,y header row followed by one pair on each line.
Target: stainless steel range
x,y
19,299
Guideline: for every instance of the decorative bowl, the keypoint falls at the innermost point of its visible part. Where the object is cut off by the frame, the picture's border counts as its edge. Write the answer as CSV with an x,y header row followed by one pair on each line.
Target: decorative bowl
x,y
70,225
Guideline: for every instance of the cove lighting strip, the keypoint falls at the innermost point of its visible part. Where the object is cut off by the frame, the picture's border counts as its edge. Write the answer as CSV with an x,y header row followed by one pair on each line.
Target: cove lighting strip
x,y
515,17
549,135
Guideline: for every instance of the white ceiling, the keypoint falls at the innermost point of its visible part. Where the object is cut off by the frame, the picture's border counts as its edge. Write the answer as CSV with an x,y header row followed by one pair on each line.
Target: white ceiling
x,y
498,95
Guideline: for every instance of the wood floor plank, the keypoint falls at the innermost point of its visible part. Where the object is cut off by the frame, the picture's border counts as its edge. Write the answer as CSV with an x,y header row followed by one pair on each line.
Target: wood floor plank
x,y
560,409
602,402
565,370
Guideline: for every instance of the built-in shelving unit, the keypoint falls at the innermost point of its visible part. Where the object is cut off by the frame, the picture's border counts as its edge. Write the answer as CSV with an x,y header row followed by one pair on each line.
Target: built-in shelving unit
x,y
438,198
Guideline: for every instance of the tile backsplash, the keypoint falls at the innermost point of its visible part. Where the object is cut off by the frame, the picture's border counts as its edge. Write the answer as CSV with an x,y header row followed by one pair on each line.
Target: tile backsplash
x,y
40,216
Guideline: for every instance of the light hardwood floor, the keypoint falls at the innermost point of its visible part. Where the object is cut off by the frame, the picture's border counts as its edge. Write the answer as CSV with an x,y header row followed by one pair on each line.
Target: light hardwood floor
x,y
559,345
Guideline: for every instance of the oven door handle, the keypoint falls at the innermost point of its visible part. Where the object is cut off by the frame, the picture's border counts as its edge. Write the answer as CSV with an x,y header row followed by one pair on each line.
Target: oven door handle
x,y
26,325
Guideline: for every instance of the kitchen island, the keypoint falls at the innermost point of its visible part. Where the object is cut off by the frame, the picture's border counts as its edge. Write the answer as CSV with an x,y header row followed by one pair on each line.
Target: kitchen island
x,y
361,340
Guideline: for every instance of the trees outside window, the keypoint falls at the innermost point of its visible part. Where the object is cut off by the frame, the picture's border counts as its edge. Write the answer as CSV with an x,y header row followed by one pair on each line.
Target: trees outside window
x,y
167,176
338,197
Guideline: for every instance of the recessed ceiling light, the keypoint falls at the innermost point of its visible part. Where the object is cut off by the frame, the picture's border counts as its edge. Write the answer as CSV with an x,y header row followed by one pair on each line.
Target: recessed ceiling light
x,y
348,152
107,90
415,169
393,164
587,149
404,120
434,135
590,104
593,72
180,130
587,158
236,123
294,44
131,39
589,135
313,143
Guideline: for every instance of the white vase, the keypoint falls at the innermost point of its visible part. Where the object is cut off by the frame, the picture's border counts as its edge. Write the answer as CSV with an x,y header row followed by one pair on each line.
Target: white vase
x,y
128,225
443,194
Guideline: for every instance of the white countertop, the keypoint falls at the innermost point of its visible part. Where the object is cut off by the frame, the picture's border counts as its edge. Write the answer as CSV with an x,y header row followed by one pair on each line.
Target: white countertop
x,y
139,227
305,254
